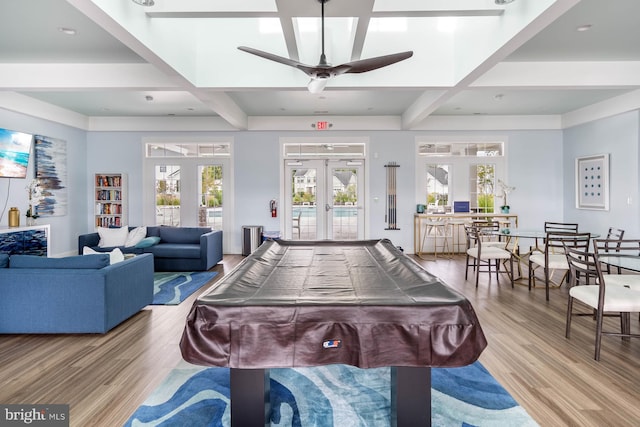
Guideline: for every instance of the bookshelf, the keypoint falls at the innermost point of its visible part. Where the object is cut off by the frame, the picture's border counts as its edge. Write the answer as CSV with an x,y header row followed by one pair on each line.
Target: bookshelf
x,y
110,199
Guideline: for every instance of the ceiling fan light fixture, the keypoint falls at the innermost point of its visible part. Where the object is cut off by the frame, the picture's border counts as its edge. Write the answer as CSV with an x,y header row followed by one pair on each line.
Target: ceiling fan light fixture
x,y
144,2
317,85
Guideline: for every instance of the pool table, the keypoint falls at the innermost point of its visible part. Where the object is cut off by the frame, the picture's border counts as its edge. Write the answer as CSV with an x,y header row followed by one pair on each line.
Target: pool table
x,y
309,303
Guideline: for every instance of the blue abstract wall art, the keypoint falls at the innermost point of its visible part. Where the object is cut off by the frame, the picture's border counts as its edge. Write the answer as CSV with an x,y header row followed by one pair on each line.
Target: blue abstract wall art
x,y
51,170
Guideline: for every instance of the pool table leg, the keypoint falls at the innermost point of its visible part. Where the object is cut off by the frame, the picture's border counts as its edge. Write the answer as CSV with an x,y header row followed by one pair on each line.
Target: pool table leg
x,y
410,396
250,402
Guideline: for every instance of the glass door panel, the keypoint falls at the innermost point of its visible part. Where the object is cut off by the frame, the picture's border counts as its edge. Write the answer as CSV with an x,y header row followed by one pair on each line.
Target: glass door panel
x,y
344,222
210,187
303,200
167,179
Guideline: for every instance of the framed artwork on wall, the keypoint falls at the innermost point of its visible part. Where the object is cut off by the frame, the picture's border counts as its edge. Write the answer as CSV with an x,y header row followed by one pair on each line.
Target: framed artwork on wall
x,y
592,182
51,173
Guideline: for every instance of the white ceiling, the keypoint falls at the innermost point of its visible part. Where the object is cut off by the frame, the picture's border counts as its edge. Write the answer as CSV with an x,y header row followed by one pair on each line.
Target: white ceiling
x,y
525,59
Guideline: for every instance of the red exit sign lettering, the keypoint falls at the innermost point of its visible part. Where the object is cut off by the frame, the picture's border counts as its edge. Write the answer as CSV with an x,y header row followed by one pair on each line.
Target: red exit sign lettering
x,y
322,125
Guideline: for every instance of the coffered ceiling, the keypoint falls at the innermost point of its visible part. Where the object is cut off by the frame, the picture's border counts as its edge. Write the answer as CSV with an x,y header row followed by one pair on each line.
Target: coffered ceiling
x,y
557,61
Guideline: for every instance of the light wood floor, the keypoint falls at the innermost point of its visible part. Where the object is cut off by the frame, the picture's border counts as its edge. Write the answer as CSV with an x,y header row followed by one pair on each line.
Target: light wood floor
x,y
105,378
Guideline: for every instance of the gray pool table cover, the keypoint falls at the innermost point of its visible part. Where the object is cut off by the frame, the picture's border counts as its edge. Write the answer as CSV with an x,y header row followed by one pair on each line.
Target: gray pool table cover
x,y
310,303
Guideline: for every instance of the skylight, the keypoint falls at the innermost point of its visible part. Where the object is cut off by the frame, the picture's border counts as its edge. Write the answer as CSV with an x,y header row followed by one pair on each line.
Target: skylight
x,y
388,25
269,25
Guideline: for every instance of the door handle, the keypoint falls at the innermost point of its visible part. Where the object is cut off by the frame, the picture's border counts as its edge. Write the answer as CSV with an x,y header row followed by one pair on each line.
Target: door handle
x,y
327,207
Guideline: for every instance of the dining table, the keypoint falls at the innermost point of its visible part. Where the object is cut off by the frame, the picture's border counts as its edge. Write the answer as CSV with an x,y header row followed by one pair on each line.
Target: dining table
x,y
627,262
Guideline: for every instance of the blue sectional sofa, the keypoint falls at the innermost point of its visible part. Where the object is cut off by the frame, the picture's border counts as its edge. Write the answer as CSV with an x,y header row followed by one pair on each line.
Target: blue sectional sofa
x,y
77,294
173,248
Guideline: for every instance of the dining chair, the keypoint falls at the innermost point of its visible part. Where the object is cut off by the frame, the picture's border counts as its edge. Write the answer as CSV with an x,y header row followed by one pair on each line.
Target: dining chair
x,y
489,233
554,227
614,235
485,258
553,258
591,287
560,227
624,255
296,223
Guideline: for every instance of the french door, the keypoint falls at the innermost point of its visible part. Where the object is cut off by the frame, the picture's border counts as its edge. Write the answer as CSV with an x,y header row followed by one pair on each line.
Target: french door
x,y
324,199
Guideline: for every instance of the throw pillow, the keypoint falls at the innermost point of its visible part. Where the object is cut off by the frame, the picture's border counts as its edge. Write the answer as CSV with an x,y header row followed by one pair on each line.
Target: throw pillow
x,y
78,261
115,255
147,242
110,237
135,236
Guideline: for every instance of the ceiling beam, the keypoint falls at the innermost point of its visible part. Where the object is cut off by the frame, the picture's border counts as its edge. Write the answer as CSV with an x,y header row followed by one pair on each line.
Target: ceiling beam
x,y
221,103
420,110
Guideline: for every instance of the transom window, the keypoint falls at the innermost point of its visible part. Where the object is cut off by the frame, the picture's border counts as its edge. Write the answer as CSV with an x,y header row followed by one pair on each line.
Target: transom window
x,y
323,150
461,149
188,149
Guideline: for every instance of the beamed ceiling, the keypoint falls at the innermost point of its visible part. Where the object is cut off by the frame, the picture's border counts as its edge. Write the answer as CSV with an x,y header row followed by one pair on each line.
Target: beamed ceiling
x,y
175,65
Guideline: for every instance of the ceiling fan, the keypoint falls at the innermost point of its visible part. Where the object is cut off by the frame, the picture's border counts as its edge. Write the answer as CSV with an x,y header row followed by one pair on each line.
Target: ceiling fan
x,y
323,71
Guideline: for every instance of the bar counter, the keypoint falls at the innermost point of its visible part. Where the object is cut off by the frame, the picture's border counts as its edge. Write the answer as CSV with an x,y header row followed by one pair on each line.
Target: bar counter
x,y
424,220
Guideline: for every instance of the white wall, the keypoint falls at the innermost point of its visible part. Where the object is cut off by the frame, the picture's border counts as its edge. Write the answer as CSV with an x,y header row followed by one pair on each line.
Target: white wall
x,y
540,166
618,136
64,229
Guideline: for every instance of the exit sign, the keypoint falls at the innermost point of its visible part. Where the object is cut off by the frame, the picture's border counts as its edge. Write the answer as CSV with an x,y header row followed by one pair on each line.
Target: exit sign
x,y
322,125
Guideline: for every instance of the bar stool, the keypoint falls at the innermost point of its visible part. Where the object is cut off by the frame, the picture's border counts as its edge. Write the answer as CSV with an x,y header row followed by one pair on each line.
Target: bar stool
x,y
458,237
440,230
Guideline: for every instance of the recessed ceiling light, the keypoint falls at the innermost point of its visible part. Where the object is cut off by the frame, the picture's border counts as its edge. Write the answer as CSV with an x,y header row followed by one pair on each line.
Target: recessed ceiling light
x,y
67,31
585,27
144,2
504,1
498,97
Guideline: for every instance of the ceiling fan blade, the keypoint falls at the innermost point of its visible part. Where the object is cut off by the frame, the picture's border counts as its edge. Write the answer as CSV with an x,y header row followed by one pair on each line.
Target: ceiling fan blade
x,y
272,57
323,71
317,85
364,65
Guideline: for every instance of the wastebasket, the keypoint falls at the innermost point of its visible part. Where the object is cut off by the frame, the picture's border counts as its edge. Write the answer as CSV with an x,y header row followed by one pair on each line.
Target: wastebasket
x,y
251,238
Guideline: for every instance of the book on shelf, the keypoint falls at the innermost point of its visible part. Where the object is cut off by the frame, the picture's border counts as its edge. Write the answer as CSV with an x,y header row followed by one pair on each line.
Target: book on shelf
x,y
108,181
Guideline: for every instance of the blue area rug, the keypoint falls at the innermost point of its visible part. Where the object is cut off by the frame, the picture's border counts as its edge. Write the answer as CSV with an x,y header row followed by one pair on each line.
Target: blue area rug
x,y
173,288
334,395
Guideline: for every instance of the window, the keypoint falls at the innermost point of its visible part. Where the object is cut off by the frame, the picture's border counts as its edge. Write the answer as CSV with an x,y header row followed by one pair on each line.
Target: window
x,y
210,196
482,180
437,187
167,195
459,171
349,150
189,181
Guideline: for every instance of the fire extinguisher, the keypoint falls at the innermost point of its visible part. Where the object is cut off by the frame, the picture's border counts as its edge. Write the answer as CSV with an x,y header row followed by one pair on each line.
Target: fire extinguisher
x,y
274,208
